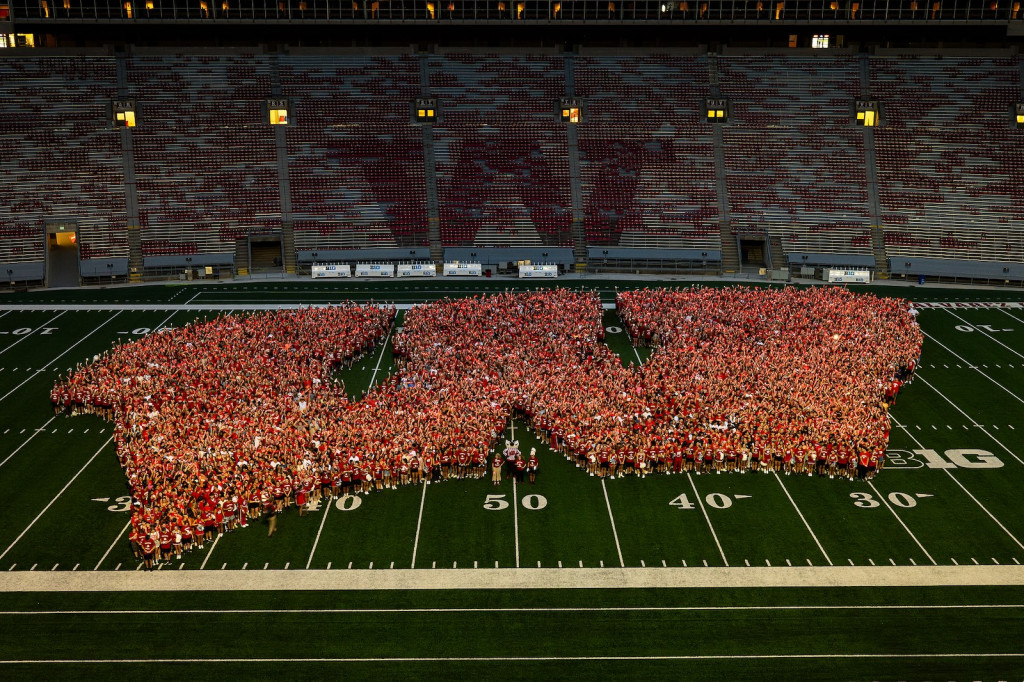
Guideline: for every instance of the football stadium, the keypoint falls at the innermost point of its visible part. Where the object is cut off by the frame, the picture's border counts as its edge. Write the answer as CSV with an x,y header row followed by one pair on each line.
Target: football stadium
x,y
568,339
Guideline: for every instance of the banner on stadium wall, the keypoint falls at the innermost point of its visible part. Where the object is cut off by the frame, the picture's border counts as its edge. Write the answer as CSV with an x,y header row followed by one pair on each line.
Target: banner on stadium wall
x,y
849,276
375,270
417,270
538,271
457,269
331,271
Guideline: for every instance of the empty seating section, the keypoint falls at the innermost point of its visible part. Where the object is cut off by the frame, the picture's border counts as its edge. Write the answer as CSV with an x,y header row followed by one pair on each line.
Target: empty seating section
x,y
205,159
646,158
355,155
795,164
950,163
501,154
61,156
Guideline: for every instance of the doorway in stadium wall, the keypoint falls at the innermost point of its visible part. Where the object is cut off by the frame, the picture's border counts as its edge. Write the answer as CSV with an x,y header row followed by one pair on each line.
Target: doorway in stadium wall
x,y
62,254
753,253
266,255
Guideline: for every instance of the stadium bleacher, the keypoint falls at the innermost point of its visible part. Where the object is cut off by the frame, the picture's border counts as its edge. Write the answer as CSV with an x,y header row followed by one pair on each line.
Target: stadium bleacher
x,y
642,171
355,158
950,164
61,159
501,155
646,156
205,160
795,165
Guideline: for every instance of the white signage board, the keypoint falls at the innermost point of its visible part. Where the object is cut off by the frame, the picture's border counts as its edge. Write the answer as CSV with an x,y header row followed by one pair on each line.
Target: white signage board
x,y
417,270
457,269
849,276
322,270
538,271
375,270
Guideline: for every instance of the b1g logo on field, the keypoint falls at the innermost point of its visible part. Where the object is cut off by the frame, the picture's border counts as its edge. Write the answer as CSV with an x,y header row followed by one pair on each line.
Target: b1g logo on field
x,y
970,458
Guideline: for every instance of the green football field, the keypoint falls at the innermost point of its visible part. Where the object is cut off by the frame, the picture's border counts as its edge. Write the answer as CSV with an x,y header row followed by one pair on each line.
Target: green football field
x,y
950,496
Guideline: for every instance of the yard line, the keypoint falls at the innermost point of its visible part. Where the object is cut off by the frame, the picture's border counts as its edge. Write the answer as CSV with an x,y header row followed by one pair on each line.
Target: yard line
x,y
511,659
34,434
54,360
611,517
321,530
383,348
985,333
42,326
66,486
515,514
973,366
210,553
807,525
706,517
962,487
109,549
419,522
957,408
885,501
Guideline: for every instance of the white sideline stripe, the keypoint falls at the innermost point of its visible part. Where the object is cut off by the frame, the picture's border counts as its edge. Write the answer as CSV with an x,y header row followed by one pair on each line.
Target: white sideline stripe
x,y
521,609
112,544
34,434
419,522
319,531
515,514
707,518
66,486
962,487
970,364
511,659
985,333
807,525
515,496
969,418
31,333
611,518
885,501
511,578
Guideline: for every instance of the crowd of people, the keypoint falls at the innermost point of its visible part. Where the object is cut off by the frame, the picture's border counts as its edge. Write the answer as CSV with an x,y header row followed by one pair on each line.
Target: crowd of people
x,y
226,421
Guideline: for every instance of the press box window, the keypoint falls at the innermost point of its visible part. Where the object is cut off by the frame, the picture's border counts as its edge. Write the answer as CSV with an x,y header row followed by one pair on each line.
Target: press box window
x,y
570,110
867,113
124,114
425,110
1019,116
716,110
278,112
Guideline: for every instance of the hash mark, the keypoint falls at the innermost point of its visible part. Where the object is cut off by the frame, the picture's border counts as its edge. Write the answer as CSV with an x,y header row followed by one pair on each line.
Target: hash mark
x,y
268,563
664,564
994,561
350,564
224,566
766,563
245,565
433,564
954,561
328,565
975,561
809,563
871,561
581,564
118,567
1015,561
393,564
914,563
684,563
851,562
75,568
601,562
642,564
892,561
559,564
788,562
55,567
746,562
